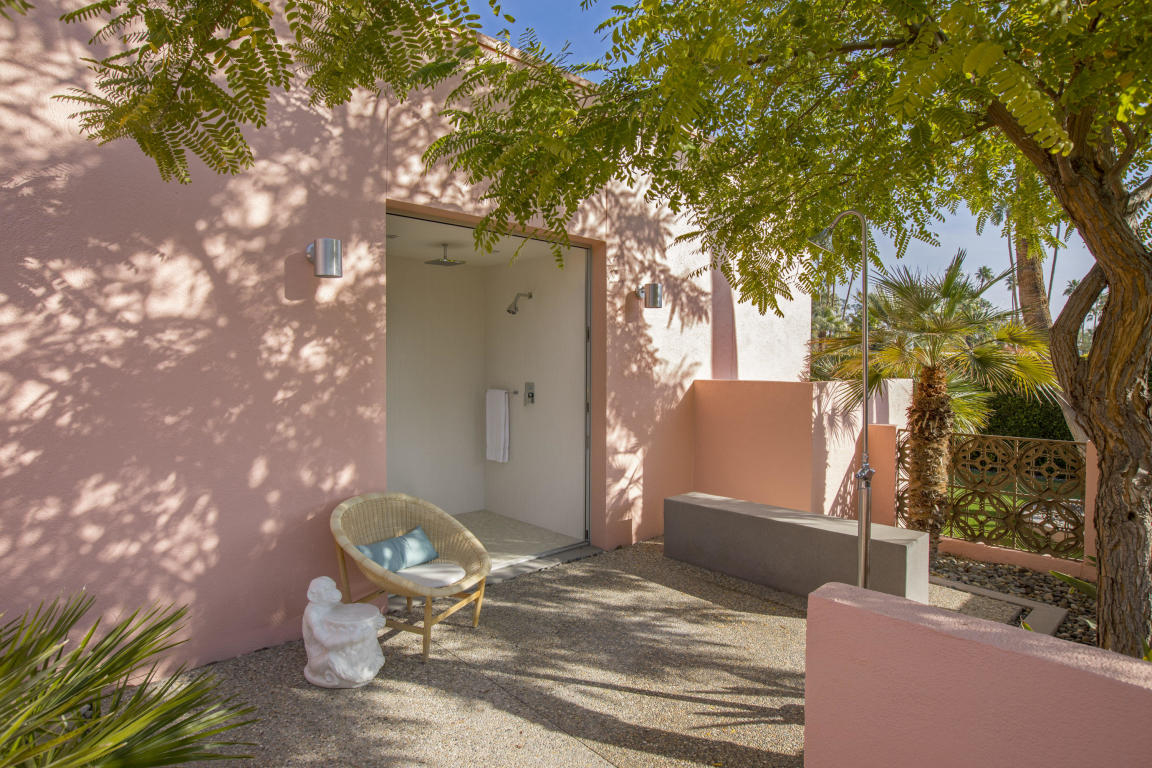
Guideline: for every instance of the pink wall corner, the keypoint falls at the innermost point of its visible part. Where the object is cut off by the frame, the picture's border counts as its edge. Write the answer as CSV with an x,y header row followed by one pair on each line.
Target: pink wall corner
x,y
600,533
725,358
895,684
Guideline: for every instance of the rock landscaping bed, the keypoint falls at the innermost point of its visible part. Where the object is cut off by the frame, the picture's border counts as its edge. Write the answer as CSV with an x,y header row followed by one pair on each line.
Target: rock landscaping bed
x,y
1033,585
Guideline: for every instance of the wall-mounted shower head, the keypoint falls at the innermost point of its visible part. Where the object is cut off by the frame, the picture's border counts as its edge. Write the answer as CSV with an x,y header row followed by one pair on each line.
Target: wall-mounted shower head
x,y
444,261
513,308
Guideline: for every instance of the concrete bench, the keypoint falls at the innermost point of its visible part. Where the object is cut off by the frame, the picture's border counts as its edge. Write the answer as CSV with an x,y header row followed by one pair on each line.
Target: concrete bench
x,y
791,551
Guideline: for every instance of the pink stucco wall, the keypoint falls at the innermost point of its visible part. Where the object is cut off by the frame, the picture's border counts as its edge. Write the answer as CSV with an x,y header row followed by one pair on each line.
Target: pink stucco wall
x,y
790,444
895,684
182,404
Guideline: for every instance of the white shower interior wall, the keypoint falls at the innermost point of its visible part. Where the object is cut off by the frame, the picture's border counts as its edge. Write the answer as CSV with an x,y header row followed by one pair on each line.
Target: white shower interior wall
x,y
450,339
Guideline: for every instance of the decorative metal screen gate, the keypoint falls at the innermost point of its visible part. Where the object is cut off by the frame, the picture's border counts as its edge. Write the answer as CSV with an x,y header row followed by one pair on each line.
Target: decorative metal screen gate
x,y
1011,492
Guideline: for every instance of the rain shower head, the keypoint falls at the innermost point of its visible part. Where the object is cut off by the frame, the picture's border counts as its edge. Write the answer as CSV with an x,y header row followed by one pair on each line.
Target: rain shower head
x,y
513,308
444,261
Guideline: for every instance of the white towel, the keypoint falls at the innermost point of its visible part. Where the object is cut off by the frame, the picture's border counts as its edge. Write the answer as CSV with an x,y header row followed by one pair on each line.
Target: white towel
x,y
496,410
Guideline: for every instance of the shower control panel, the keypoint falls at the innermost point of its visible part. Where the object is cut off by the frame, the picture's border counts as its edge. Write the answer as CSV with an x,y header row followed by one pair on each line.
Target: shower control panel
x,y
529,393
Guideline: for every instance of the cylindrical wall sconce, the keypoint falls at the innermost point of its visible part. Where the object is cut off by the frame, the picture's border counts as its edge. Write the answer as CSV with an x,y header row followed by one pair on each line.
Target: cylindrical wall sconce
x,y
327,254
652,294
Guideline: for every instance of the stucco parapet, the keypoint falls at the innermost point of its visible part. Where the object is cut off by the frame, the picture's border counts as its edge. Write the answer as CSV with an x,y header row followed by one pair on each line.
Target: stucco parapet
x,y
1003,637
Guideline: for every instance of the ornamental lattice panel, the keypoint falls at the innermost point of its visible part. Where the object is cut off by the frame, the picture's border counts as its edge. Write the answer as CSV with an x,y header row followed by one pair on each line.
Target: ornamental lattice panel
x,y
1011,492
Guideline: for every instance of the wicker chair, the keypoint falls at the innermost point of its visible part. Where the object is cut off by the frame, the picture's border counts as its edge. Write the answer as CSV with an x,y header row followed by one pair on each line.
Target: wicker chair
x,y
377,516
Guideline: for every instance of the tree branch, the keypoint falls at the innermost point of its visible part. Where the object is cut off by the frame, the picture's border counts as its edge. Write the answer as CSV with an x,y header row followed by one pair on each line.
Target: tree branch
x,y
1066,330
999,116
978,127
1078,127
1131,147
854,46
1138,197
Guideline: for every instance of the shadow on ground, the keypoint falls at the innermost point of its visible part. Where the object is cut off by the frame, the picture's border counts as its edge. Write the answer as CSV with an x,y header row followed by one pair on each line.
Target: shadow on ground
x,y
625,659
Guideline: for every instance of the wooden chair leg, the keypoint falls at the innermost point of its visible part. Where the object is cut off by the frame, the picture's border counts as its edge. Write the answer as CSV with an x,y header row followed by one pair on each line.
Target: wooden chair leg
x,y
479,601
343,565
409,604
427,627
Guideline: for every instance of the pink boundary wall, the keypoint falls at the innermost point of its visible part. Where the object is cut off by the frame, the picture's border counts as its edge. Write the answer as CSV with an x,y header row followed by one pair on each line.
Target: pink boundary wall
x,y
895,684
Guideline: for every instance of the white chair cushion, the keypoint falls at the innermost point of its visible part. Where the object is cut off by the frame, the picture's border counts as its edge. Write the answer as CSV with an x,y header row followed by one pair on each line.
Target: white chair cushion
x,y
439,574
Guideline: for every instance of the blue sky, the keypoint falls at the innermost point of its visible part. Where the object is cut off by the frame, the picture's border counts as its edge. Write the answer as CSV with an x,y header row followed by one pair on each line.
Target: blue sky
x,y
558,21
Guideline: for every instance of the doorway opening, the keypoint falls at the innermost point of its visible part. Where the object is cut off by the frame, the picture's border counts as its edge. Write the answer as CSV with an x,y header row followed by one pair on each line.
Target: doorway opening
x,y
479,340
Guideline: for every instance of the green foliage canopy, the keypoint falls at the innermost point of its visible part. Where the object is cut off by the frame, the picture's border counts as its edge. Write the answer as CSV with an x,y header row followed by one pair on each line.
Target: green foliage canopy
x,y
1015,415
765,118
189,77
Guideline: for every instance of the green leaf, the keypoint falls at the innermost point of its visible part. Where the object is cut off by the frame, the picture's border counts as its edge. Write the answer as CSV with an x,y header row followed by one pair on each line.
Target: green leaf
x,y
982,57
1080,585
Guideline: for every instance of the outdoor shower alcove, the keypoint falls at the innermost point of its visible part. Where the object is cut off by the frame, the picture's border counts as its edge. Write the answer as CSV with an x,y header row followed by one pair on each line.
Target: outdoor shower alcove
x,y
460,323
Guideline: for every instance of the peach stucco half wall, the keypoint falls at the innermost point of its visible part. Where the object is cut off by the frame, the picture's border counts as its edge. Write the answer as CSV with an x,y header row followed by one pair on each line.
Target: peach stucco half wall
x,y
791,444
182,403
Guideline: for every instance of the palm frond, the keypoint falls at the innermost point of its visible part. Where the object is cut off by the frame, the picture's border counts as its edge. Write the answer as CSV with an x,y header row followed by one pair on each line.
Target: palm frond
x,y
82,704
919,322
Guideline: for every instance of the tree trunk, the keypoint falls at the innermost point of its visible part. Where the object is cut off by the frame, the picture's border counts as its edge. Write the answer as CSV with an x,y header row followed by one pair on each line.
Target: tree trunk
x,y
1109,388
1037,316
1109,392
1030,284
929,453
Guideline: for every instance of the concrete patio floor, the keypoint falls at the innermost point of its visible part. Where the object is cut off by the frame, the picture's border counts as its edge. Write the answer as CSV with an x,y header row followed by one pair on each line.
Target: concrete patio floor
x,y
623,659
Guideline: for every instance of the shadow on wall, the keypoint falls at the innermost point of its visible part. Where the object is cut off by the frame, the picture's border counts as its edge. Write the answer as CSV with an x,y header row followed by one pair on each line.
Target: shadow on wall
x,y
837,456
835,427
650,421
181,402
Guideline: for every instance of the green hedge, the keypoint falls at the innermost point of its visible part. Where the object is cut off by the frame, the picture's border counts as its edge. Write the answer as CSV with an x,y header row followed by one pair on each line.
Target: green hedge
x,y
1018,416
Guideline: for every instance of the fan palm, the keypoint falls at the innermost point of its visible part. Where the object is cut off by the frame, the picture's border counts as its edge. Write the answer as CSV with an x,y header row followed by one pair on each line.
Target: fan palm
x,y
958,350
97,701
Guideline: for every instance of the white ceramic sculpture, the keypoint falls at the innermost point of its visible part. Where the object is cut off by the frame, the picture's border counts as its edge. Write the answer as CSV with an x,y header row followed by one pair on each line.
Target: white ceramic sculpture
x,y
340,639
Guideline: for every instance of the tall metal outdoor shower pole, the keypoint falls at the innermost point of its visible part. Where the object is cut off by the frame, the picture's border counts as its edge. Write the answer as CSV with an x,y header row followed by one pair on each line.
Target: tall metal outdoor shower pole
x,y
865,473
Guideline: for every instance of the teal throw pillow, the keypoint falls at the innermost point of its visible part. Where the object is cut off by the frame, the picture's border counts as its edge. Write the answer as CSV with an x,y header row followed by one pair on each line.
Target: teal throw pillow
x,y
413,548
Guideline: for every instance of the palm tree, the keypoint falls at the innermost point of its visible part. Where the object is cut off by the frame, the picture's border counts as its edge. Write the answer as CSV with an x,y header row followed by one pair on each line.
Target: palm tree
x,y
95,698
958,350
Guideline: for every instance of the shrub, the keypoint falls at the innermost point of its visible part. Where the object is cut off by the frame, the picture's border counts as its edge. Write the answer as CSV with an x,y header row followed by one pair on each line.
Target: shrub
x,y
1017,416
98,701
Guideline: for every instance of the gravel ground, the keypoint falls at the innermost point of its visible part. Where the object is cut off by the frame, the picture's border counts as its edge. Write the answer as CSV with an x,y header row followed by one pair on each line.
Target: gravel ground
x,y
1033,585
626,659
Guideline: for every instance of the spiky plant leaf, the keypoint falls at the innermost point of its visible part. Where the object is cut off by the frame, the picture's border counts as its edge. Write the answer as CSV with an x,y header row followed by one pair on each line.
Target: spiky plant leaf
x,y
939,321
99,701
